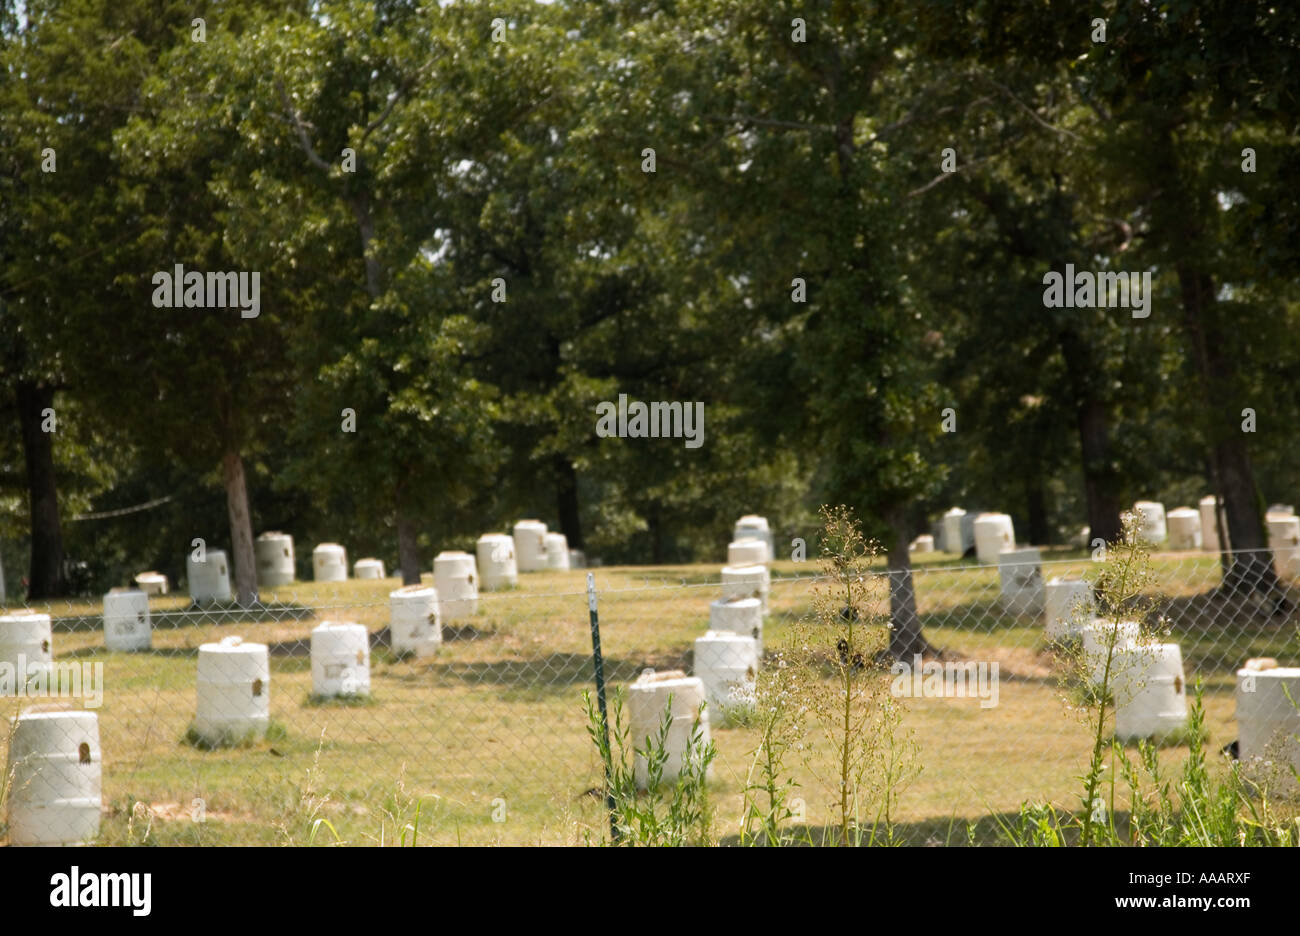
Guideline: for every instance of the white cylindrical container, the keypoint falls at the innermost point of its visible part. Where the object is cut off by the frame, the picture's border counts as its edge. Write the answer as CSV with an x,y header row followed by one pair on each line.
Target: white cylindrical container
x,y
530,545
1150,692
55,776
368,569
993,533
557,551
152,583
26,650
727,664
1184,528
922,544
1070,604
747,552
414,623
456,578
1151,522
752,581
1284,540
340,659
496,561
329,563
1209,525
126,620
1268,724
234,692
648,699
743,616
210,579
1097,641
1021,574
274,554
752,526
577,559
952,538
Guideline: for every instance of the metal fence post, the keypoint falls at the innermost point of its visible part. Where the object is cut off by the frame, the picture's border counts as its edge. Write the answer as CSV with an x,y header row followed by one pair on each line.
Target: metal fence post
x,y
599,665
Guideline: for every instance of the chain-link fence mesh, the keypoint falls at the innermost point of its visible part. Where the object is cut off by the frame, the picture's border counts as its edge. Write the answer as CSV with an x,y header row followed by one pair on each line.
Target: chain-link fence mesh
x,y
232,725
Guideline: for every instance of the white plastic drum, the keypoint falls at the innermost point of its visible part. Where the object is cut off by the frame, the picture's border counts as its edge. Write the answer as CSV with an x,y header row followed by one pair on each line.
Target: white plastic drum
x,y
26,650
274,554
368,569
340,660
649,698
55,769
1021,574
993,533
954,539
210,579
1268,723
329,563
727,664
496,561
1151,522
1184,528
557,551
752,526
126,620
1209,525
922,544
414,622
752,581
1070,604
747,552
152,583
234,692
1284,540
1150,692
1098,636
456,578
530,545
743,616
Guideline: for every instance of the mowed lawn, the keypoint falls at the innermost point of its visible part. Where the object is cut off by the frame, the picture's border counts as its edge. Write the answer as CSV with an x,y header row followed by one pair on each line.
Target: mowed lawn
x,y
490,737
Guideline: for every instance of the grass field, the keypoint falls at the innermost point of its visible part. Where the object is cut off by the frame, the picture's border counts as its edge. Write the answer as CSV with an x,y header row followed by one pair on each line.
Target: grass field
x,y
490,736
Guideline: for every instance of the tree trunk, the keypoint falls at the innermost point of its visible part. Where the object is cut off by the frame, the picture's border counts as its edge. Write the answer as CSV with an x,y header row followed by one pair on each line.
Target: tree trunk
x,y
656,535
1101,484
241,528
1040,531
905,637
408,553
567,501
45,573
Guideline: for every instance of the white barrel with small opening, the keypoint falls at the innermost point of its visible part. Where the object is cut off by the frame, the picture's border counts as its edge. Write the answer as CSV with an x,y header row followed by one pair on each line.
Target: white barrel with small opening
x,y
727,664
234,692
752,581
993,533
497,568
1209,524
329,563
152,583
1070,604
747,552
1284,541
648,699
1184,528
274,554
530,545
743,616
1021,575
1100,638
414,623
209,580
954,538
755,527
340,659
456,578
368,569
126,620
26,650
557,551
1150,691
55,774
922,544
1268,723
1151,522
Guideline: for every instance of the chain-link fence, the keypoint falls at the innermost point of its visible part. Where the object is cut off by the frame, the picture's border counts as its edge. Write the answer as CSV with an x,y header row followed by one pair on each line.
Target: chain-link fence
x,y
462,720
